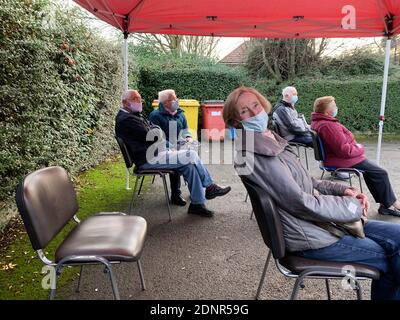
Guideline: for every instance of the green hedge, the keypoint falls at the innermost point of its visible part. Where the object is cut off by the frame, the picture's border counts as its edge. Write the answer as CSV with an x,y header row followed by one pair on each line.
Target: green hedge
x,y
198,82
59,91
358,100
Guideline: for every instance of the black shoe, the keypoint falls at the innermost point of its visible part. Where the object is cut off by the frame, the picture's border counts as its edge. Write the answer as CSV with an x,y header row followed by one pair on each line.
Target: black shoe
x,y
178,200
216,191
386,211
200,209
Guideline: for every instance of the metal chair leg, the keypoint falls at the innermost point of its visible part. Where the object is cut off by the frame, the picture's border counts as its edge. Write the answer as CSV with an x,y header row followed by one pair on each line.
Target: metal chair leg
x,y
323,173
247,196
351,183
154,177
166,195
53,286
252,214
359,290
53,281
141,275
78,287
360,182
328,291
297,285
141,185
133,195
263,275
113,283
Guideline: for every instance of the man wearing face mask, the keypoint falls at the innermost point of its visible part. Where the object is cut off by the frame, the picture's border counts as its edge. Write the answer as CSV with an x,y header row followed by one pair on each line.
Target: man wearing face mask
x,y
292,127
171,119
149,153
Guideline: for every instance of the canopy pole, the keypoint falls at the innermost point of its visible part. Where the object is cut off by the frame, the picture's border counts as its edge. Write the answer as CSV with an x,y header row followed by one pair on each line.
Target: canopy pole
x,y
125,75
383,99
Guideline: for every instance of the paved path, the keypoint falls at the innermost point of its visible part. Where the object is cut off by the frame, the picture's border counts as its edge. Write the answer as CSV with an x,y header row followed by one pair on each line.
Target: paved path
x,y
218,258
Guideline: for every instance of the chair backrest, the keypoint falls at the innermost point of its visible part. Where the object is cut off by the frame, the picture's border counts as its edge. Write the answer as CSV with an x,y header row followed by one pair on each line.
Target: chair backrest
x,y
318,146
267,217
275,127
125,152
46,201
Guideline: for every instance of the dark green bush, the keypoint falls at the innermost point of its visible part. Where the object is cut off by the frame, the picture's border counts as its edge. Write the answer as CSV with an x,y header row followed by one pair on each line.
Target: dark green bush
x,y
197,82
59,91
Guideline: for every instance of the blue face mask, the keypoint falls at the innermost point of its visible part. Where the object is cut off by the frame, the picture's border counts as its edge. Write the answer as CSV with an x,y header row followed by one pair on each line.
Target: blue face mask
x,y
294,99
334,114
174,105
257,123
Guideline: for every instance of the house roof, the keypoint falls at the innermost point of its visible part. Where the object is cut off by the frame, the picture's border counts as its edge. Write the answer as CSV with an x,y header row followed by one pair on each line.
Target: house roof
x,y
237,56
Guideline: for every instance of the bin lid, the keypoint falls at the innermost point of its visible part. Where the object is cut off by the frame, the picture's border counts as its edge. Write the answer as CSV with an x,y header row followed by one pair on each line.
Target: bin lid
x,y
182,103
213,103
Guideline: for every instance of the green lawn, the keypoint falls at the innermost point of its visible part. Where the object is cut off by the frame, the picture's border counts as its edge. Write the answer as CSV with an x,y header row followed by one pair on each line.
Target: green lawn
x,y
99,189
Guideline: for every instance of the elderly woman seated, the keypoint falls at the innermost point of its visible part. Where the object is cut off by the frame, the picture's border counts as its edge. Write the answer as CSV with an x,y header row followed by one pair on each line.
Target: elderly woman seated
x,y
343,151
304,202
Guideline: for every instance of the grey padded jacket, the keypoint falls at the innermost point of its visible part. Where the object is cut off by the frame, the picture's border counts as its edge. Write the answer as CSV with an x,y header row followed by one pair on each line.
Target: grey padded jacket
x,y
289,122
301,200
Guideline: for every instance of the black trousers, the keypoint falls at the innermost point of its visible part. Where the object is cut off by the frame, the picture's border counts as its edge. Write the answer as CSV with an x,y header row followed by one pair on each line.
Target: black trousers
x,y
175,181
377,181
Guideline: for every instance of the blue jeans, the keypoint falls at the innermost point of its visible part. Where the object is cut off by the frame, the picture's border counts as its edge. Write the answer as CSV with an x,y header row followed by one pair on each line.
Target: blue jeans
x,y
379,249
188,164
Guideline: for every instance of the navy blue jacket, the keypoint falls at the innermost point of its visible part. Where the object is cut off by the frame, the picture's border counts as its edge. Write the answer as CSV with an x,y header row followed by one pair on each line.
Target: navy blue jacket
x,y
132,128
162,118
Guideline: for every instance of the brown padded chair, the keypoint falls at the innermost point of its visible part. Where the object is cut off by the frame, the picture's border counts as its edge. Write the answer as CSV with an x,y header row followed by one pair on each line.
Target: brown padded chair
x,y
47,201
294,266
138,173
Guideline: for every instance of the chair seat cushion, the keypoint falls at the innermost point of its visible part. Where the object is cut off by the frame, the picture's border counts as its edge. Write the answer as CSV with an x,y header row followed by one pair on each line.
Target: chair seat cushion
x,y
297,265
114,237
152,171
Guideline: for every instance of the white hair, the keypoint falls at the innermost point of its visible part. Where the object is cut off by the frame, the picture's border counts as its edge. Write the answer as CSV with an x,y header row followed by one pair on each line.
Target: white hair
x,y
286,90
165,95
127,94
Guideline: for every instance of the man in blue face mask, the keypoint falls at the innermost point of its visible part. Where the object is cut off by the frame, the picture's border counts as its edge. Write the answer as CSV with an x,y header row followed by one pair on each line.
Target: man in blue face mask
x,y
149,150
171,119
291,126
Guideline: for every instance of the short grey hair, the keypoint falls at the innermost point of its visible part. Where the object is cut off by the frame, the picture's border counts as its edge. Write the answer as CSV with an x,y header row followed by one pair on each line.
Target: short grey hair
x,y
127,94
165,94
287,90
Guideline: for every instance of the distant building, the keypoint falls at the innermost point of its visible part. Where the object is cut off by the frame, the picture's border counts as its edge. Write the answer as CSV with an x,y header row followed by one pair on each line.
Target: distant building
x,y
237,57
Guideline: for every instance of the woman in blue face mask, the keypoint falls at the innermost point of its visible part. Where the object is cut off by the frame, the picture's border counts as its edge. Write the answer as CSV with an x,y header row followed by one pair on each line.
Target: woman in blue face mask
x,y
309,208
253,111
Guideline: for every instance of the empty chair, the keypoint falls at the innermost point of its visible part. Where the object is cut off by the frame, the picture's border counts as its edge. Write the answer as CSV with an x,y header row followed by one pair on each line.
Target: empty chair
x,y
143,173
47,201
292,266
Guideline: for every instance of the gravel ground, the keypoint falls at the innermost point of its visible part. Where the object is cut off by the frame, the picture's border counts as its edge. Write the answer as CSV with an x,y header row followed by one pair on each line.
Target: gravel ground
x,y
218,258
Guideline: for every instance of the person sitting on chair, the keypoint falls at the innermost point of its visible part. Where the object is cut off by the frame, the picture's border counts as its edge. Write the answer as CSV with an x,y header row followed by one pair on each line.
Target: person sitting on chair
x,y
292,126
310,209
171,119
149,150
343,151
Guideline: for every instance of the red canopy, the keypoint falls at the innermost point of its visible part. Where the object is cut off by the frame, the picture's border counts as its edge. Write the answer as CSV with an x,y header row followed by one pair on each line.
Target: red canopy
x,y
255,18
